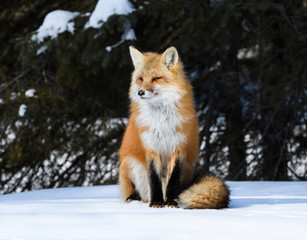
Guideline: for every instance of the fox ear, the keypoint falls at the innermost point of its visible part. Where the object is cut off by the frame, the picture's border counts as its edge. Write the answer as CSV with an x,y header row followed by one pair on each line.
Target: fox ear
x,y
137,57
170,57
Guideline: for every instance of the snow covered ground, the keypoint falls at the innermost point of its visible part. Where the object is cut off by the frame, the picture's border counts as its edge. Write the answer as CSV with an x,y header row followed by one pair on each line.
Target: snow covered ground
x,y
258,210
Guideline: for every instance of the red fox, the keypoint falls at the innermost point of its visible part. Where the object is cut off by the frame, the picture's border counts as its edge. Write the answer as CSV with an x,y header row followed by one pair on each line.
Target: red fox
x,y
160,144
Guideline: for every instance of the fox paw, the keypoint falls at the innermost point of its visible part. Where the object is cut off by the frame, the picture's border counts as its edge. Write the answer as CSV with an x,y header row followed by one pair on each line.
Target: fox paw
x,y
171,204
133,197
156,205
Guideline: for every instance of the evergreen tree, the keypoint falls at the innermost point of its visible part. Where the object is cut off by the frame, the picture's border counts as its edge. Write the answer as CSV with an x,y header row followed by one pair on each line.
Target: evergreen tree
x,y
64,101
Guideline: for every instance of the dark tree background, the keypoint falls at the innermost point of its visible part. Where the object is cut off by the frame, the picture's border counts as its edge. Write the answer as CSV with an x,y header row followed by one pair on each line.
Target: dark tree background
x,y
247,61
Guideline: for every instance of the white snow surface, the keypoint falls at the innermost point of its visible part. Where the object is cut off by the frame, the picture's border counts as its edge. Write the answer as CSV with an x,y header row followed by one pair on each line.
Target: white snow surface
x,y
105,8
258,210
54,23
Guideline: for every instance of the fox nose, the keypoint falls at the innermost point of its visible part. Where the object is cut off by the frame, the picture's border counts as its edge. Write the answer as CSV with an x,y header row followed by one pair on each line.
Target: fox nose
x,y
141,92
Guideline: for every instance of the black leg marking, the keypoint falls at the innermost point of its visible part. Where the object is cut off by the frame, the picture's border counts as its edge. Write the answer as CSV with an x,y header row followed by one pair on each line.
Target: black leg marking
x,y
172,188
134,196
155,187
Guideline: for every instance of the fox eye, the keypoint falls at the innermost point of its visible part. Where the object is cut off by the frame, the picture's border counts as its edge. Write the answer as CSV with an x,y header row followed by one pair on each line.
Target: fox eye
x,y
156,78
141,79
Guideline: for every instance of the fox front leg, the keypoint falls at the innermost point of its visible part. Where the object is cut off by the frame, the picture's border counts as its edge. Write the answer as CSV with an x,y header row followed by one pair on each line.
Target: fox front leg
x,y
173,182
156,193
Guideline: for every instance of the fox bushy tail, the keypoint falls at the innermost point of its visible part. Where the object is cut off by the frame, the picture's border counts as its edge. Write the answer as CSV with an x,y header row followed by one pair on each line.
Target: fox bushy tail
x,y
210,193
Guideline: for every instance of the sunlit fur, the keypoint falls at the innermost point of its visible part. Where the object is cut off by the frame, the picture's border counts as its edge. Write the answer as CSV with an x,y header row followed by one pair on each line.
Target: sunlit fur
x,y
162,126
210,192
139,177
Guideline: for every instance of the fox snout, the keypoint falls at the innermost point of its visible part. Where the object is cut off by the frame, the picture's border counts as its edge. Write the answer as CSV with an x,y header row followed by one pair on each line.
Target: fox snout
x,y
145,94
141,93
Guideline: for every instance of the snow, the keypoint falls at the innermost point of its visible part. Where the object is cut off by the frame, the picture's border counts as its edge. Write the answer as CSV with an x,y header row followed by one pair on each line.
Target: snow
x,y
30,93
128,34
105,8
248,53
41,50
22,110
258,210
14,96
108,48
54,23
59,21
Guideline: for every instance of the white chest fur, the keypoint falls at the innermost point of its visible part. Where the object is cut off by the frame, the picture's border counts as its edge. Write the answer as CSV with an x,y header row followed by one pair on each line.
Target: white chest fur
x,y
161,120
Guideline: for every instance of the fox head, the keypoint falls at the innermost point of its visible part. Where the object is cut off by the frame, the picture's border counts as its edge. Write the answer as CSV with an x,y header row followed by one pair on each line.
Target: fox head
x,y
156,77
